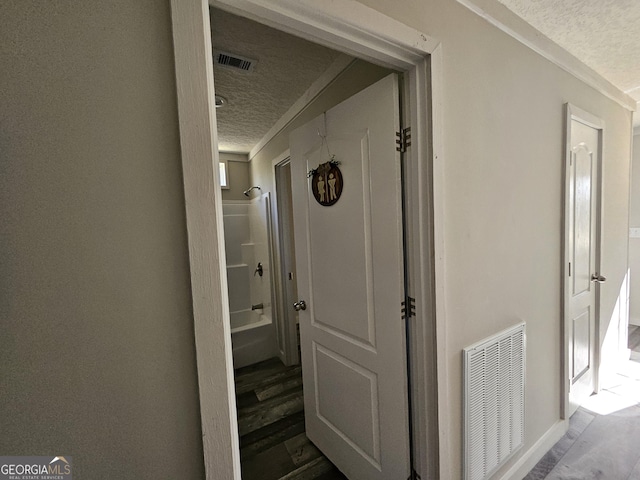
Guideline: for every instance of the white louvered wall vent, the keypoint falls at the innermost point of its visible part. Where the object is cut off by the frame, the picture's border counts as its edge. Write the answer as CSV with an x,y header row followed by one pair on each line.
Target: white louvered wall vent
x,y
493,402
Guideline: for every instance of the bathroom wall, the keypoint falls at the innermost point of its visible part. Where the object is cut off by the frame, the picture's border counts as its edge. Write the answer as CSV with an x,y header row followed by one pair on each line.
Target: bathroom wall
x,y
356,77
238,176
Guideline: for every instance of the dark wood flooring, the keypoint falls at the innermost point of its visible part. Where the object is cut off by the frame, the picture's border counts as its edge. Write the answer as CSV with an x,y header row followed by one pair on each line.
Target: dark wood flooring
x,y
273,444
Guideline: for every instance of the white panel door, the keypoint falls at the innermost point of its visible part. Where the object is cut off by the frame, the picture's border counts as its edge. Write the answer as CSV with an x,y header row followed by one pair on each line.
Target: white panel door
x,y
350,274
582,248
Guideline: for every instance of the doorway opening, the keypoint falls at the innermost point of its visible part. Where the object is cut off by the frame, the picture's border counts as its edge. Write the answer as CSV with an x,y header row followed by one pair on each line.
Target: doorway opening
x,y
355,29
260,249
581,266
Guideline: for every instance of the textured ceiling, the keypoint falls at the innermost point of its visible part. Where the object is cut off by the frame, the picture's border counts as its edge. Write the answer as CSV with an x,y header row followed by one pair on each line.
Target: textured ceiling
x,y
286,68
603,34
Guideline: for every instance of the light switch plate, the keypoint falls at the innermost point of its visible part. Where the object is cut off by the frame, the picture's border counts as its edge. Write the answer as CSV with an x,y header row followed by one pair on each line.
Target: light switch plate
x,y
634,232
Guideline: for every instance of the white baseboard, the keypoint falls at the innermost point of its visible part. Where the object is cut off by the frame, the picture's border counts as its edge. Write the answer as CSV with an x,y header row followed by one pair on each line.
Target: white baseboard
x,y
532,456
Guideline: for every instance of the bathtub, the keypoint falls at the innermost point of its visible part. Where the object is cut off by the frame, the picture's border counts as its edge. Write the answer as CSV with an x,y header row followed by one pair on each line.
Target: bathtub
x,y
247,244
252,336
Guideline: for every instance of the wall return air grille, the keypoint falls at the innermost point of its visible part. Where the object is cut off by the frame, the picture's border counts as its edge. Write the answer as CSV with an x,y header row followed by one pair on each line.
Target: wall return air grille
x,y
493,402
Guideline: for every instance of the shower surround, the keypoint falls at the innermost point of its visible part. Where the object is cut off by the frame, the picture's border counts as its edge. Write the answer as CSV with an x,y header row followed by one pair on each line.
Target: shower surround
x,y
248,246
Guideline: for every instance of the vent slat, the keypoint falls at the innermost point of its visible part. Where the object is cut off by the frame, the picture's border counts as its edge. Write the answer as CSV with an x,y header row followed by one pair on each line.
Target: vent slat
x,y
494,402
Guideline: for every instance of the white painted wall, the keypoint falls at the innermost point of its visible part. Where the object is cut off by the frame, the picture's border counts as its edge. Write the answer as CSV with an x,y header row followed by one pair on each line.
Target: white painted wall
x,y
634,242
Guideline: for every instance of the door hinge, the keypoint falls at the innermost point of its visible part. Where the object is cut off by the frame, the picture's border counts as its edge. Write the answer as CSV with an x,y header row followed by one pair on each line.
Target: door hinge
x,y
414,475
408,309
403,139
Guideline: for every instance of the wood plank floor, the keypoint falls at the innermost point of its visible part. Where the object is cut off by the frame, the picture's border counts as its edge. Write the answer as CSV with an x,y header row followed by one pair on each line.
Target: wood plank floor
x,y
273,444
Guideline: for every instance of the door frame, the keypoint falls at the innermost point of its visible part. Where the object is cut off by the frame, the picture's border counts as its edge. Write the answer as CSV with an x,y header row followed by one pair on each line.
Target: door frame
x,y
574,113
286,324
353,28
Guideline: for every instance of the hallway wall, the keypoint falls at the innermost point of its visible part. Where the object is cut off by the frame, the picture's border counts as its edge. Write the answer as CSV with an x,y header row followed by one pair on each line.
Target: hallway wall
x,y
97,356
504,153
503,111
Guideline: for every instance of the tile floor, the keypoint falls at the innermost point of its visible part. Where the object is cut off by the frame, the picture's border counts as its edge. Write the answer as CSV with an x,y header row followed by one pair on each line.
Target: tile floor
x,y
603,441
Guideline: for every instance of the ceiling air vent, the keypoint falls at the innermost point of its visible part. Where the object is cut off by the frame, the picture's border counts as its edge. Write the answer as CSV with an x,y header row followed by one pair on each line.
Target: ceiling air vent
x,y
231,60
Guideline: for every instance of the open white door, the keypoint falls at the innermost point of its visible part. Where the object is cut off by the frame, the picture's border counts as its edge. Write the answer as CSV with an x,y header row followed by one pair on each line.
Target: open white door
x,y
349,261
582,275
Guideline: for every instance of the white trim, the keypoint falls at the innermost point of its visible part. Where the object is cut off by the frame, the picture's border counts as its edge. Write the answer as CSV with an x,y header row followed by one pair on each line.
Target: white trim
x,y
198,144
338,66
446,408
425,246
222,153
355,29
504,19
582,116
532,456
289,352
345,25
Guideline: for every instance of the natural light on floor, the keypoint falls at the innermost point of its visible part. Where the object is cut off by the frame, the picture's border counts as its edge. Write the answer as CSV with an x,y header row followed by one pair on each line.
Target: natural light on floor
x,y
620,378
622,394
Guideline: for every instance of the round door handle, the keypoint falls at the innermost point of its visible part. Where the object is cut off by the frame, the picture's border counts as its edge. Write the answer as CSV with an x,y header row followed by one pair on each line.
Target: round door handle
x,y
301,305
598,278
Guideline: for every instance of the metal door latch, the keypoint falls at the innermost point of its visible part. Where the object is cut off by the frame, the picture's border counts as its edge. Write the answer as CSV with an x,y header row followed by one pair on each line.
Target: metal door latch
x,y
301,305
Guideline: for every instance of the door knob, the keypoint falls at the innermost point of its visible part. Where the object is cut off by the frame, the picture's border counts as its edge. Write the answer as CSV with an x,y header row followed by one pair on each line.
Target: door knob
x,y
301,305
598,278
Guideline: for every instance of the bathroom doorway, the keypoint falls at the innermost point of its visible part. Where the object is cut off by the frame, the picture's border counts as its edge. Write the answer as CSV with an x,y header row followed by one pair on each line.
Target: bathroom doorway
x,y
259,228
420,58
